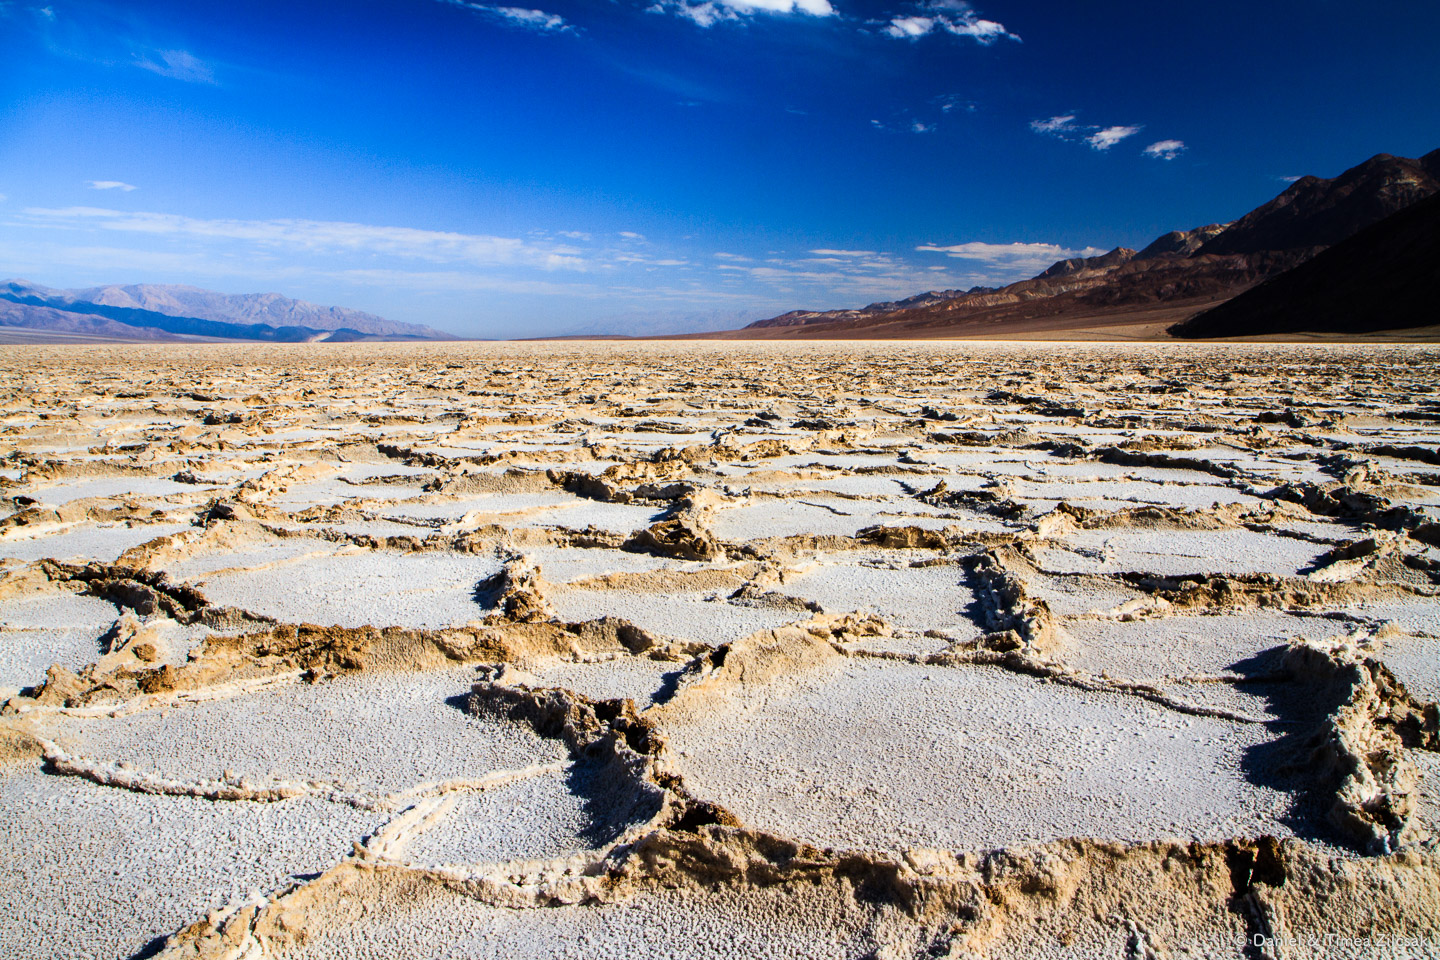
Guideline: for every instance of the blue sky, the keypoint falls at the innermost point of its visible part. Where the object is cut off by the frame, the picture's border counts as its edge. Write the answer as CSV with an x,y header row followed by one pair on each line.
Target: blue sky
x,y
499,170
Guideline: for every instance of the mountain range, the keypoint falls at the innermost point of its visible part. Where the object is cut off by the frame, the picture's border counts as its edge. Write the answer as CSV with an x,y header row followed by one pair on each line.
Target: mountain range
x,y
1358,253
169,312
1187,272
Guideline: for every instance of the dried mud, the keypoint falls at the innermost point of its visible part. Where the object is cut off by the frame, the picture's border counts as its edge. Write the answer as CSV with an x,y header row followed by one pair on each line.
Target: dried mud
x,y
689,650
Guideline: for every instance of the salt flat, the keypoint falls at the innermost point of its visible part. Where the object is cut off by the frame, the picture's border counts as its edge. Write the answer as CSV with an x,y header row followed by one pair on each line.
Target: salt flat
x,y
681,649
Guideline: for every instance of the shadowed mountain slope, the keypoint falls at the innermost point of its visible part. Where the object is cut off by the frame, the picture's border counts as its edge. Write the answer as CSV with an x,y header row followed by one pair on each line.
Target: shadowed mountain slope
x,y
1383,278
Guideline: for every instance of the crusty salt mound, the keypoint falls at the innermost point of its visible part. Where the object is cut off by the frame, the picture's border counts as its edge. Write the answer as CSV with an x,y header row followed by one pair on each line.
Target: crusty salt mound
x,y
702,651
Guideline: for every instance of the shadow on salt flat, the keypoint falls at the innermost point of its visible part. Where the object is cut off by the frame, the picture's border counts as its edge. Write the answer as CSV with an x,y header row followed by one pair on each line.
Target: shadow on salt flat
x,y
544,817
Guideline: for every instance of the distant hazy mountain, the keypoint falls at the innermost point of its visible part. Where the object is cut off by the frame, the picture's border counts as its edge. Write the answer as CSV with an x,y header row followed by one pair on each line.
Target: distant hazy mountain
x,y
1177,275
50,320
163,312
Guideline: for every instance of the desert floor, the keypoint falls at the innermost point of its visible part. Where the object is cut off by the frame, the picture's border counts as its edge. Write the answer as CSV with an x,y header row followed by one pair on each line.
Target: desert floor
x,y
710,650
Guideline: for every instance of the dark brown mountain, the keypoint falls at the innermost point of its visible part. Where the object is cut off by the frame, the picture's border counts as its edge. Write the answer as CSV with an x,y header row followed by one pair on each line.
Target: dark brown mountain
x,y
1383,278
1319,213
1181,243
1065,268
1170,280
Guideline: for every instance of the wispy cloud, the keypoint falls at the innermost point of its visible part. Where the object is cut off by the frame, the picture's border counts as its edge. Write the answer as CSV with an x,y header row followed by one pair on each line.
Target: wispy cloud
x,y
522,17
904,122
1061,126
1109,136
176,64
317,236
955,17
707,13
837,276
1010,259
9,8
951,103
1066,126
1165,149
110,185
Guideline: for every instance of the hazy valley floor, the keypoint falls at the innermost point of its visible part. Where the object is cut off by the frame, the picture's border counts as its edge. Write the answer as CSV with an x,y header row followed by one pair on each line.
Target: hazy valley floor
x,y
708,650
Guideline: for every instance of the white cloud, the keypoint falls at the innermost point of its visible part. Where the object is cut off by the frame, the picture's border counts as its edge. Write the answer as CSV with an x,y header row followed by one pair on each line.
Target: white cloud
x,y
918,127
955,17
177,65
1065,127
907,27
983,31
816,8
532,19
522,17
1011,259
1165,149
843,253
2,198
1061,126
999,252
1108,137
318,236
710,12
632,235
110,185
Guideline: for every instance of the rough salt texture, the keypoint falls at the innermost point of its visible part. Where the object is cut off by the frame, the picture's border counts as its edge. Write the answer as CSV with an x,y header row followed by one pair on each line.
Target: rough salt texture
x,y
47,628
692,650
877,755
102,873
378,733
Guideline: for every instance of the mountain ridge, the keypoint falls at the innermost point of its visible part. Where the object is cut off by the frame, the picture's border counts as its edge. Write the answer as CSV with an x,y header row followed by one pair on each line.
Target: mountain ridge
x,y
1382,278
1181,271
159,312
